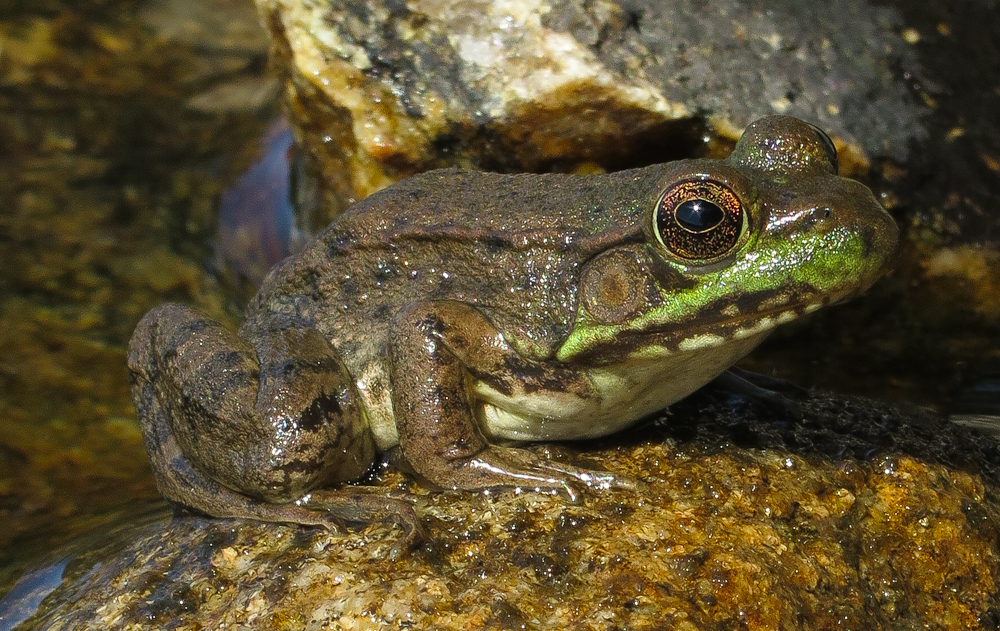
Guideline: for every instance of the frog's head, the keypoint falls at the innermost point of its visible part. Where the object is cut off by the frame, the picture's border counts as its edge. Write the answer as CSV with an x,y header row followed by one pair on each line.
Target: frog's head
x,y
733,248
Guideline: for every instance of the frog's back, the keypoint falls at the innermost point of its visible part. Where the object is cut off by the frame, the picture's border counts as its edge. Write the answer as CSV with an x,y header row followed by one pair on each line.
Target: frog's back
x,y
510,244
507,211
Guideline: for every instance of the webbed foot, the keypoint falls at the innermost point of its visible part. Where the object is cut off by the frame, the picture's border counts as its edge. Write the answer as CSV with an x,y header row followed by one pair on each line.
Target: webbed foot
x,y
497,467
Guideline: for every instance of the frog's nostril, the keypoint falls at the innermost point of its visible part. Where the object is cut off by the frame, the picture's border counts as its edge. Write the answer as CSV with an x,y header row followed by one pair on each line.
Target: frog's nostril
x,y
819,215
811,219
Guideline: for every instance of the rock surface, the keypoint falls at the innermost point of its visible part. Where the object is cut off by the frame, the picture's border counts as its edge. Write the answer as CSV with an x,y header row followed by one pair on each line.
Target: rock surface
x,y
856,515
382,90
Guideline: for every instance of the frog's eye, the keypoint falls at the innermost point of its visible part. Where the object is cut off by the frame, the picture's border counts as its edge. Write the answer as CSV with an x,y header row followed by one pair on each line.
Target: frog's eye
x,y
699,220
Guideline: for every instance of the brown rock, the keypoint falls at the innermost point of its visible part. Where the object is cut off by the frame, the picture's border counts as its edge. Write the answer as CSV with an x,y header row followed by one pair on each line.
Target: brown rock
x,y
854,515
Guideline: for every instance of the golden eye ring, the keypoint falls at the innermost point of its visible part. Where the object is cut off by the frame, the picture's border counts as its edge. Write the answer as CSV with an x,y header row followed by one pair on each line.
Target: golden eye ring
x,y
699,220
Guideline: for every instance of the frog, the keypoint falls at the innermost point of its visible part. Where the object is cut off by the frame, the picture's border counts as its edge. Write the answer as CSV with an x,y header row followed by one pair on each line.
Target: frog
x,y
457,317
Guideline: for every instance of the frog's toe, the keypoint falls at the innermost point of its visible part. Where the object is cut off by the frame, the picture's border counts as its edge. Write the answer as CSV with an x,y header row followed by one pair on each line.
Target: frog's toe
x,y
593,478
511,467
401,513
365,505
413,535
779,395
603,480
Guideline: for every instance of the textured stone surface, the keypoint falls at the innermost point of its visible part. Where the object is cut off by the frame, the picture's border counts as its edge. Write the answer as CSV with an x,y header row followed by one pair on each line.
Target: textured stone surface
x,y
854,515
382,90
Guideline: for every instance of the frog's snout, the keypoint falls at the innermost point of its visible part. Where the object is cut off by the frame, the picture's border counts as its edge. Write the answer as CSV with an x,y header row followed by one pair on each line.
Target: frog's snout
x,y
874,227
840,237
885,237
848,211
875,235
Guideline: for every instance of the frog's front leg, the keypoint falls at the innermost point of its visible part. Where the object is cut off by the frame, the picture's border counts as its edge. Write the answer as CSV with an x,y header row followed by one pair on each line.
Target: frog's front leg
x,y
253,428
436,349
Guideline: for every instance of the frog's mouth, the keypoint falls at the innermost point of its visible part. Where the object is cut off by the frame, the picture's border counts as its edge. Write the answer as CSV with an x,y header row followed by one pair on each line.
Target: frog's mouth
x,y
768,317
677,338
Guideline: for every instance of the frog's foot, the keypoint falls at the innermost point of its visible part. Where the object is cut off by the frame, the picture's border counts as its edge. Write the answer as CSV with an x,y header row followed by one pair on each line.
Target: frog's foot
x,y
331,509
511,467
778,394
768,383
365,505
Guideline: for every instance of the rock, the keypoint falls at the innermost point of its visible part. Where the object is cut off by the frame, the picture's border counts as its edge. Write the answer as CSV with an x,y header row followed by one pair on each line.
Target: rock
x,y
856,514
382,90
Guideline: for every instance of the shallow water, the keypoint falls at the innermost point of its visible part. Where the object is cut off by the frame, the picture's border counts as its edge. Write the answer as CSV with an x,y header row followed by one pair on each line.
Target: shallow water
x,y
120,137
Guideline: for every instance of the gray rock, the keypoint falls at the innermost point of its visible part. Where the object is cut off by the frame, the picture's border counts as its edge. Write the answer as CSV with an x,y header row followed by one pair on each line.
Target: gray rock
x,y
382,90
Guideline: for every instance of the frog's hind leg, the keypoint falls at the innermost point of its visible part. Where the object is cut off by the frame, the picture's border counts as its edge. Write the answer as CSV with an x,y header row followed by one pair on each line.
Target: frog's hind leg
x,y
329,508
182,483
206,407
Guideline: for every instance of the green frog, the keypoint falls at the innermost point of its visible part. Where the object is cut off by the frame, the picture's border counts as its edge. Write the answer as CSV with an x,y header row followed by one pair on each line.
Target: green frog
x,y
457,315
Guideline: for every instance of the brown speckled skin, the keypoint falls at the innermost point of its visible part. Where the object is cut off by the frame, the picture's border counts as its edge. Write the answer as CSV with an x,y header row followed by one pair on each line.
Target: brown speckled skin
x,y
510,245
442,281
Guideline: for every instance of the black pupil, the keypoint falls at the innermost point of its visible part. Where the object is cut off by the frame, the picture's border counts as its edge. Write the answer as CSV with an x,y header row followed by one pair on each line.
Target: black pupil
x,y
698,215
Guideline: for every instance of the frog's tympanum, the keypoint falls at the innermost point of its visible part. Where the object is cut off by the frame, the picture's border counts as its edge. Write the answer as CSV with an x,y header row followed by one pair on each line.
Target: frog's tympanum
x,y
456,314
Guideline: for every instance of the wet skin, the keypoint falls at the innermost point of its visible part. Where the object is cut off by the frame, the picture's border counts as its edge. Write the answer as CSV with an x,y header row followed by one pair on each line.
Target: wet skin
x,y
456,314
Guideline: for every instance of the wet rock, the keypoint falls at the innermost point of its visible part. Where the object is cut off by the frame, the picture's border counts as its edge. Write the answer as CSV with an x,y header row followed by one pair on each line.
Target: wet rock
x,y
222,26
382,90
855,513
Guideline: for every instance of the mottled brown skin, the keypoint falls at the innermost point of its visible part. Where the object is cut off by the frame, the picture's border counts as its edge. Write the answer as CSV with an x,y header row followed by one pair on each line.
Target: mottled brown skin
x,y
440,295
